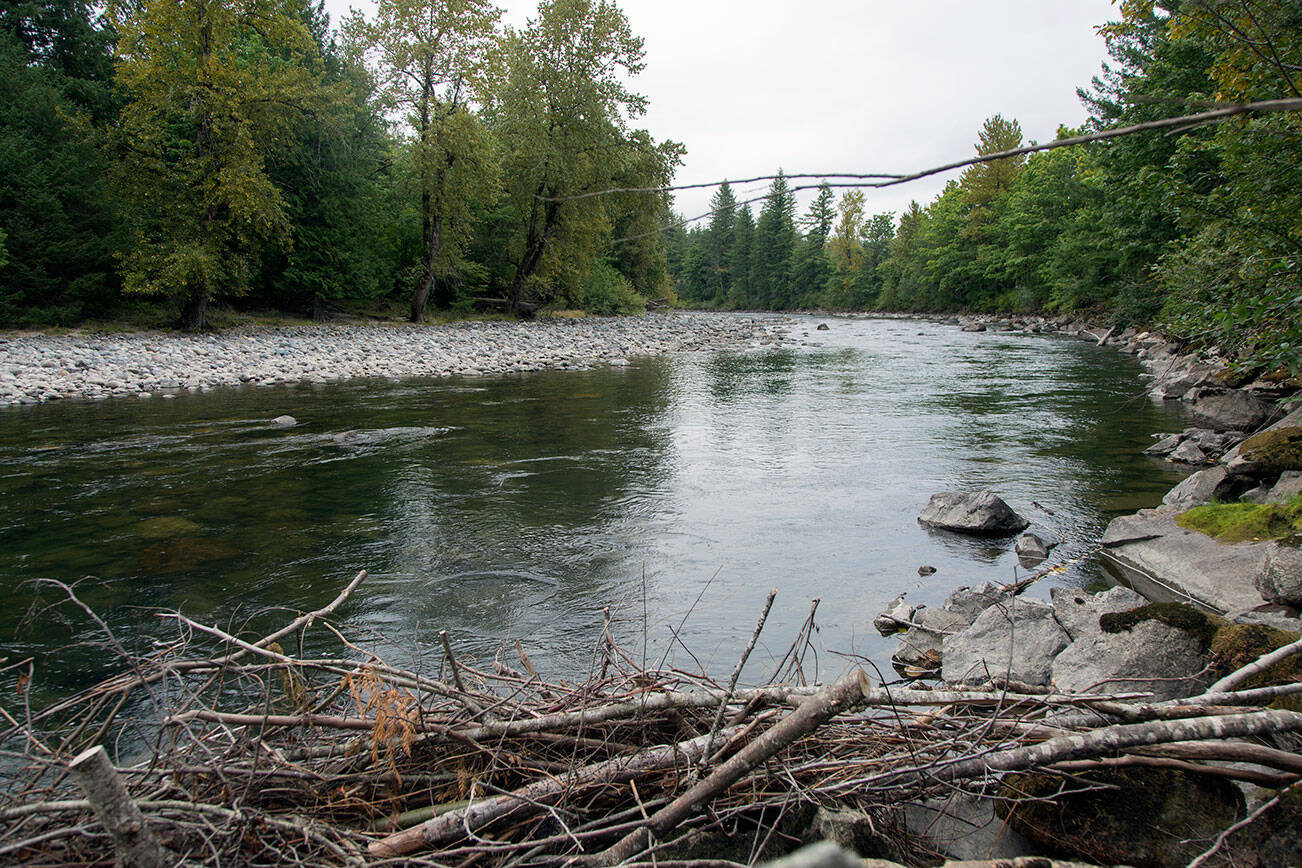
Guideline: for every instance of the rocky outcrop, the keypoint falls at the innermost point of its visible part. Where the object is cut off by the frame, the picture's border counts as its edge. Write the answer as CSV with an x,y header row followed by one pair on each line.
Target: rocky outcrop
x,y
1235,409
1078,612
982,513
1150,656
1017,641
1269,453
1151,552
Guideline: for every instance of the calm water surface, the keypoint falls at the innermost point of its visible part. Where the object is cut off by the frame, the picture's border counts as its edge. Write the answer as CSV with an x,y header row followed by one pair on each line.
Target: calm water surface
x,y
520,506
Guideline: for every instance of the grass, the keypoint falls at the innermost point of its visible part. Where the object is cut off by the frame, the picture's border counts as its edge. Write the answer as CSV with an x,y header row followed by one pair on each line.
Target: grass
x,y
1245,522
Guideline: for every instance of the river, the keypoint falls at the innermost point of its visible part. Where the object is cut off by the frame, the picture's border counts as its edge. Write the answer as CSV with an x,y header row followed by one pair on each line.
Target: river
x,y
676,491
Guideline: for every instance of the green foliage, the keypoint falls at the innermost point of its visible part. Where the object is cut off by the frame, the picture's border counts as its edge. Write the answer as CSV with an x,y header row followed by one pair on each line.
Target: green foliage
x,y
609,293
214,87
1245,522
56,214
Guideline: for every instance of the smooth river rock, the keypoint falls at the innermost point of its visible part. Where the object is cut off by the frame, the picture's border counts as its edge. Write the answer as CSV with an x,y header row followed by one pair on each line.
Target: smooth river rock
x,y
1017,640
1151,552
981,512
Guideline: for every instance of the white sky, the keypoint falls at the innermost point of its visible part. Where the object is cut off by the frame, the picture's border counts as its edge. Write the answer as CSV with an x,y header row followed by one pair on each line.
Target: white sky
x,y
849,85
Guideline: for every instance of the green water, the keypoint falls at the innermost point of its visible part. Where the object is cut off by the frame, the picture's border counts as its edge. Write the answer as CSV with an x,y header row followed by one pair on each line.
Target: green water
x,y
519,507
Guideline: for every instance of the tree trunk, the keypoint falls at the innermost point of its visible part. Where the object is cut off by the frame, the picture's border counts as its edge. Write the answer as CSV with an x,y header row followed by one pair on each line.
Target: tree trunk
x,y
134,845
194,314
433,241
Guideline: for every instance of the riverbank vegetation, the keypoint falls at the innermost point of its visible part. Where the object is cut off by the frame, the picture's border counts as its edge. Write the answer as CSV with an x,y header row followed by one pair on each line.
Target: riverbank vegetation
x,y
242,151
1199,230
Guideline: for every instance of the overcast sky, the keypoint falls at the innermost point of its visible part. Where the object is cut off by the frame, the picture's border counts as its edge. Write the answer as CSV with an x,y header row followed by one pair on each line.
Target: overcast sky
x,y
850,85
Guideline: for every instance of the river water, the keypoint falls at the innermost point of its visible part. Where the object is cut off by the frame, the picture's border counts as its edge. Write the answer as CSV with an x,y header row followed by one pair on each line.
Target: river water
x,y
676,491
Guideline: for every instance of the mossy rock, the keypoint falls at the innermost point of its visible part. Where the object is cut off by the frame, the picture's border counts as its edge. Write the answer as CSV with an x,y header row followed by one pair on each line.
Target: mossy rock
x,y
1273,840
1198,624
1236,378
1148,818
1236,645
1273,451
1245,522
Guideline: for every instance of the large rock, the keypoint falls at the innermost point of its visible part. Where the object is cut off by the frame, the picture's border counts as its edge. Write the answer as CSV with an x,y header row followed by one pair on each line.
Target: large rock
x,y
1151,656
920,646
1268,453
1149,818
1078,611
981,512
964,826
1280,579
1233,410
1017,640
1214,483
1149,551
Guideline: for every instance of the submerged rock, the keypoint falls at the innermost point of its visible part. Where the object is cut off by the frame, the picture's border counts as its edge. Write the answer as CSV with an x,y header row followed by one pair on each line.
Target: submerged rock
x,y
1031,549
981,513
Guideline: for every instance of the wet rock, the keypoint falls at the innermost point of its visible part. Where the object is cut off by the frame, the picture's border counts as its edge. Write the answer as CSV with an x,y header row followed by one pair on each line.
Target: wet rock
x,y
1031,549
1078,611
822,327
981,513
973,327
926,570
1138,650
1280,579
1018,641
284,421
1165,446
1149,818
895,618
1188,452
1233,410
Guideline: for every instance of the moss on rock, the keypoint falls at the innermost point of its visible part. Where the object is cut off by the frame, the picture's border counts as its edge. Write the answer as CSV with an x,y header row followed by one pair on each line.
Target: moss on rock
x,y
1149,818
1236,645
1274,451
1244,522
1178,615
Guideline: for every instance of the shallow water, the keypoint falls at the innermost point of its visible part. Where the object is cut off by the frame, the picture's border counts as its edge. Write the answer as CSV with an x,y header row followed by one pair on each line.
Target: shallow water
x,y
520,506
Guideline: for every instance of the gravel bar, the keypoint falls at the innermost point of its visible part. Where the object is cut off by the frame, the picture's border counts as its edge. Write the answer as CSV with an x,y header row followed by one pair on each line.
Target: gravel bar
x,y
35,368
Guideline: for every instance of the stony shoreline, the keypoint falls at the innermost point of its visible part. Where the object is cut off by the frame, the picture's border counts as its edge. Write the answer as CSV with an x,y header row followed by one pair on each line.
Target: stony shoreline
x,y
36,368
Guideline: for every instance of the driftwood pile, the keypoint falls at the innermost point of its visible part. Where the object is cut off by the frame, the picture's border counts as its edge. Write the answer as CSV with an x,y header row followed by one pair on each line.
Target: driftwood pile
x,y
254,756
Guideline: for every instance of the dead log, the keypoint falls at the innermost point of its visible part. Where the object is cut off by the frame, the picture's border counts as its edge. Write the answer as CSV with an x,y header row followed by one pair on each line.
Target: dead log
x,y
133,843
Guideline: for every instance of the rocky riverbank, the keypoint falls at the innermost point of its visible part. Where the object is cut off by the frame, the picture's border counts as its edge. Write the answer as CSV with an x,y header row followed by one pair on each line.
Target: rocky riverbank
x,y
35,368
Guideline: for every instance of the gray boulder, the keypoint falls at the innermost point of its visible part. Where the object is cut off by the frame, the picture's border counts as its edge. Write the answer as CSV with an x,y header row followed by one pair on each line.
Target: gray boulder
x,y
1165,446
921,645
1078,611
284,421
1233,410
1150,657
1150,551
1287,487
981,512
1214,483
1031,549
1018,640
1280,579
895,617
1188,452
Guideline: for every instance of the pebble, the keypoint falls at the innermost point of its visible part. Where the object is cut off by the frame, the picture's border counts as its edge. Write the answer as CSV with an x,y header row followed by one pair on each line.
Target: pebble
x,y
37,367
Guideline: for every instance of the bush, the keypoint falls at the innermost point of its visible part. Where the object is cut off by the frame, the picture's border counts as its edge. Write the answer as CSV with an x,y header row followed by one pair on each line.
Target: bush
x,y
608,293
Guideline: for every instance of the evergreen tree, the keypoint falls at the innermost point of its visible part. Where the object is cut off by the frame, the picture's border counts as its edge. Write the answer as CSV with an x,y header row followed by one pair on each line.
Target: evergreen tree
x,y
719,241
775,246
741,295
810,266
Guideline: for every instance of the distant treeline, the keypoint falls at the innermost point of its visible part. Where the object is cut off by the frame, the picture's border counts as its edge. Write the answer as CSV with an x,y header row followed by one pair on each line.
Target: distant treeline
x,y
243,151
1199,231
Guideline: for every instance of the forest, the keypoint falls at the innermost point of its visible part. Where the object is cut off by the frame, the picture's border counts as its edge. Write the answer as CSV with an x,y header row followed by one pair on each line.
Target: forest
x,y
1198,230
163,158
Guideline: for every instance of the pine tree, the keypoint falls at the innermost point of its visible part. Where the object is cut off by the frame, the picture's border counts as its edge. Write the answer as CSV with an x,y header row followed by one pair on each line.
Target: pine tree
x,y
741,260
719,241
775,246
